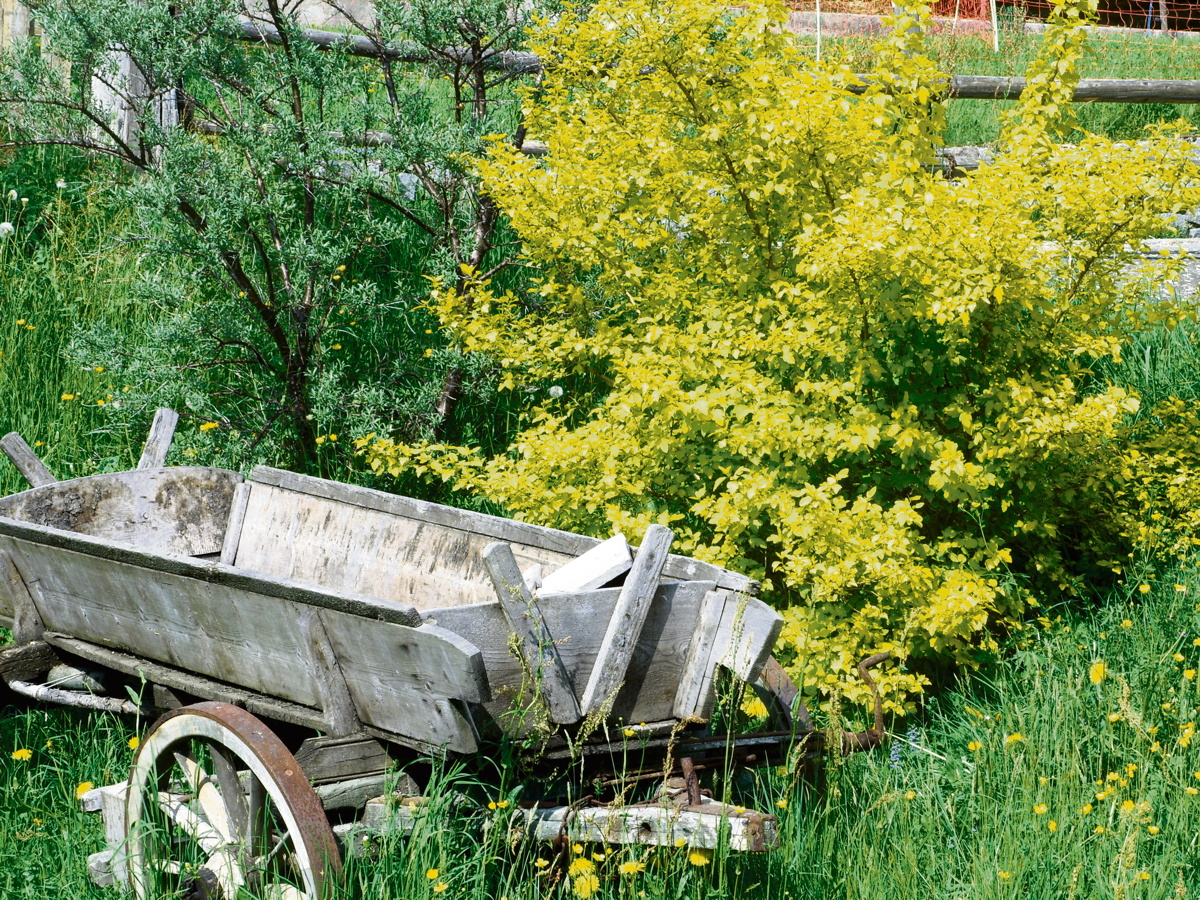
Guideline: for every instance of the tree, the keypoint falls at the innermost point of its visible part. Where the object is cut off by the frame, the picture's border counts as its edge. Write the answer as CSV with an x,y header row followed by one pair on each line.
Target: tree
x,y
306,195
769,321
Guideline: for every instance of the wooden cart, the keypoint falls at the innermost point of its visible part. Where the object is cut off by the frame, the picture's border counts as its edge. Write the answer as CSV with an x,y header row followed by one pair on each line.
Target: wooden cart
x,y
363,626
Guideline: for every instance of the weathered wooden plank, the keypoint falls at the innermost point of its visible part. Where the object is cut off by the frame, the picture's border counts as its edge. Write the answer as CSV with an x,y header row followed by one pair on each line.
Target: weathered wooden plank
x,y
182,510
697,671
233,528
211,573
326,758
27,462
526,538
395,658
537,645
593,569
27,662
190,683
431,724
625,625
27,619
349,547
570,621
656,826
158,444
108,866
351,793
340,715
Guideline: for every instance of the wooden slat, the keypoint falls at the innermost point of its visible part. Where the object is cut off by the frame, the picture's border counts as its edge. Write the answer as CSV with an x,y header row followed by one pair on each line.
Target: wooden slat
x,y
593,569
537,645
22,456
327,758
27,619
625,626
162,430
340,716
27,662
233,530
571,623
690,700
525,537
181,510
189,682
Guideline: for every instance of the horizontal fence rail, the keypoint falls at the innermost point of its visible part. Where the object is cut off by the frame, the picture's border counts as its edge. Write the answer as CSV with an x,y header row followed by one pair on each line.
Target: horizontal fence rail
x,y
958,87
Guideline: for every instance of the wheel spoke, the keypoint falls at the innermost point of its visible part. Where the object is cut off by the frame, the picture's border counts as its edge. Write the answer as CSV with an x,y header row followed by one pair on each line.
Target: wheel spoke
x,y
212,804
232,792
177,811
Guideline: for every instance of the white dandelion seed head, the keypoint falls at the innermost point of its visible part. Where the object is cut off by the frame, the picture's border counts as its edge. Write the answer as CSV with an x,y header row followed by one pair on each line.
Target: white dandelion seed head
x,y
555,392
12,196
61,184
6,228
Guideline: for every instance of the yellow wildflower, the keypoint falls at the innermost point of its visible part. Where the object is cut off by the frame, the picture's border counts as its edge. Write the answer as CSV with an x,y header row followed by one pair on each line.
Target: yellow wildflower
x,y
1192,791
67,397
1189,674
781,803
439,887
1087,809
1145,589
629,732
82,788
1126,623
1098,672
134,742
586,885
680,842
1099,829
1153,829
633,867
541,863
22,755
1052,825
1003,875
577,848
974,746
431,874
910,795
700,857
581,865
600,857
1014,738
1040,808
208,426
1178,657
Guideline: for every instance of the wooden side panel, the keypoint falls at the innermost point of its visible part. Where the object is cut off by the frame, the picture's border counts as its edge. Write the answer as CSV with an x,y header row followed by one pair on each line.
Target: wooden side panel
x,y
548,545
234,635
574,623
182,510
27,462
366,551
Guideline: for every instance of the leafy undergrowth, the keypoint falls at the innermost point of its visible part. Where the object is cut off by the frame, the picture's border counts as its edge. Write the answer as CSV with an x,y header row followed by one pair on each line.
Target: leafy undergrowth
x,y
1066,769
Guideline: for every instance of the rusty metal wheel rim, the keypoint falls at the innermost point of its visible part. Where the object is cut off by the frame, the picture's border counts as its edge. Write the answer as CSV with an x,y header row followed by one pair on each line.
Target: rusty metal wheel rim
x,y
253,825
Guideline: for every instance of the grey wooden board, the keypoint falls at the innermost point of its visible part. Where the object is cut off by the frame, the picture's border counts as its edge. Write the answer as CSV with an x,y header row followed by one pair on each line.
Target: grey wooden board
x,y
213,573
691,699
162,430
593,569
233,530
532,543
633,604
21,455
571,622
427,659
336,702
197,686
326,758
444,724
366,551
179,510
26,662
535,645
27,621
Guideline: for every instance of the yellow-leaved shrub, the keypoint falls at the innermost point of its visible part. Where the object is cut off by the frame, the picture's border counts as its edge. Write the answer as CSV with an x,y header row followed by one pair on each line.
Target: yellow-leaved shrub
x,y
782,331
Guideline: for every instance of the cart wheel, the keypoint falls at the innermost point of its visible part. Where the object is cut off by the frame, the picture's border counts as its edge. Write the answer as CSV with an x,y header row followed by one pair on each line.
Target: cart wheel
x,y
218,808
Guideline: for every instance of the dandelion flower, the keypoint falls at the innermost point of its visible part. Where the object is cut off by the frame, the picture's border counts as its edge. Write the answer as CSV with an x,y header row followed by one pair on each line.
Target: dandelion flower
x,y
1188,790
700,857
1087,809
781,803
1153,829
22,755
1126,623
910,795
67,397
680,842
1114,717
1003,875
581,865
1014,738
600,857
541,863
1178,657
577,848
82,788
439,887
1098,672
1189,674
1052,825
134,742
974,746
633,867
1099,829
208,426
432,874
585,885
1041,808
1145,589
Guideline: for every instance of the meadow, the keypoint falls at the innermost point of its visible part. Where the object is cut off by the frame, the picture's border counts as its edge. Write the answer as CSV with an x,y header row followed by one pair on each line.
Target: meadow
x,y
1064,766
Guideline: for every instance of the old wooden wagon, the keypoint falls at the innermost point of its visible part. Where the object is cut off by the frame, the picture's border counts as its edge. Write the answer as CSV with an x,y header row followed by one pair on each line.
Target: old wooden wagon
x,y
365,628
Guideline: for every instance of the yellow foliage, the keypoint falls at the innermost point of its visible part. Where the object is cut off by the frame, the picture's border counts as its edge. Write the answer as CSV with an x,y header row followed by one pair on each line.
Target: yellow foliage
x,y
784,333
